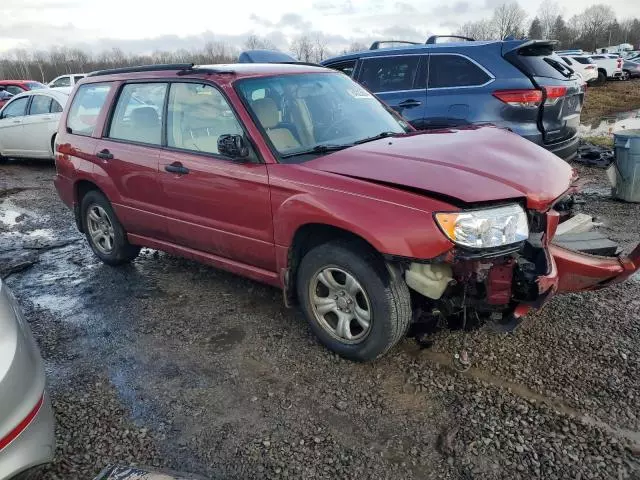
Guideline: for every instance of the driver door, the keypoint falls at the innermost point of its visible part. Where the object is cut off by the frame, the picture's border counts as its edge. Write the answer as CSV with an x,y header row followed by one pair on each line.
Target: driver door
x,y
214,204
11,126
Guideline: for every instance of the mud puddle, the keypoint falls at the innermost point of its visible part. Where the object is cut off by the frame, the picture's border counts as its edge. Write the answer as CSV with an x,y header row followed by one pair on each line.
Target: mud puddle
x,y
611,124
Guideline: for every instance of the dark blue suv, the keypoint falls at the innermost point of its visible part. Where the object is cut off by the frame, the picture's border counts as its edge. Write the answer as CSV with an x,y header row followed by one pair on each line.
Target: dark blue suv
x,y
518,84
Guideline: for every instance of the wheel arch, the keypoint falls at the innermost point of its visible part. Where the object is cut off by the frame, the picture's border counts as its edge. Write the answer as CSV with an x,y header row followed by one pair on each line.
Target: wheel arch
x,y
80,189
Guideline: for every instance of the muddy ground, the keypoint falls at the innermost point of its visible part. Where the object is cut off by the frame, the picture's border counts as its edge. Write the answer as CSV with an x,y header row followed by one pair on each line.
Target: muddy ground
x,y
170,363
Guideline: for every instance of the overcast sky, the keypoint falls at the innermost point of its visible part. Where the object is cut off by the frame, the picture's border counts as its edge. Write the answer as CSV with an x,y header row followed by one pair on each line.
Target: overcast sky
x,y
146,25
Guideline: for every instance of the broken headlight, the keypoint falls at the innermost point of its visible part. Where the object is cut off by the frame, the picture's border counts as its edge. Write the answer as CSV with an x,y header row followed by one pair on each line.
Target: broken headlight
x,y
485,228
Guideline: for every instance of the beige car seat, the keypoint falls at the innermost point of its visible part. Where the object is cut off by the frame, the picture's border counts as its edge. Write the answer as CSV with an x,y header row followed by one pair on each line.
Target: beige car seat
x,y
267,113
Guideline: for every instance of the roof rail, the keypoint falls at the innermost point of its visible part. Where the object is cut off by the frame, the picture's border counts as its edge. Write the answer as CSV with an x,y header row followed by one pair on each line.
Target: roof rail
x,y
182,69
432,39
376,45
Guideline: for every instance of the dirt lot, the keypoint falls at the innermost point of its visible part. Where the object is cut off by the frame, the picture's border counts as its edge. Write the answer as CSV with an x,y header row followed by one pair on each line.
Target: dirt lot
x,y
612,97
167,362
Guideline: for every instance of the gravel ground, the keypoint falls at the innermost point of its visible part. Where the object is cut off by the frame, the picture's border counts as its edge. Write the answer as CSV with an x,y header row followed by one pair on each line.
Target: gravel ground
x,y
173,364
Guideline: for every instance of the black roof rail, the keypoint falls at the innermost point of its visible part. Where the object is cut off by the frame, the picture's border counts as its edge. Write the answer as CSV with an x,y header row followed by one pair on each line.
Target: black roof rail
x,y
376,45
432,39
182,69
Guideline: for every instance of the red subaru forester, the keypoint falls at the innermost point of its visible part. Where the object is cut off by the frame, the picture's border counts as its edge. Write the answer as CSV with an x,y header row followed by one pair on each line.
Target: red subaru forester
x,y
296,176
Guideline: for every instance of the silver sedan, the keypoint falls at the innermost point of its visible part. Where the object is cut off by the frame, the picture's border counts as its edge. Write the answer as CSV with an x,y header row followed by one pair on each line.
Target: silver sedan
x,y
26,417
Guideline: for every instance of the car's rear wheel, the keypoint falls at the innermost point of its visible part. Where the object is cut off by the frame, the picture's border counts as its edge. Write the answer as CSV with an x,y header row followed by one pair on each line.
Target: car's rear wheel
x,y
354,305
602,78
105,234
626,75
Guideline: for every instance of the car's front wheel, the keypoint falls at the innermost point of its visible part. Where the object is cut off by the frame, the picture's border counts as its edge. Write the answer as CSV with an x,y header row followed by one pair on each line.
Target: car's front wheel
x,y
105,234
354,304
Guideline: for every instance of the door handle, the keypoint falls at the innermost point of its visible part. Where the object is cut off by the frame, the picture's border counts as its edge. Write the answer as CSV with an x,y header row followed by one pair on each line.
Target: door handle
x,y
105,154
177,168
410,103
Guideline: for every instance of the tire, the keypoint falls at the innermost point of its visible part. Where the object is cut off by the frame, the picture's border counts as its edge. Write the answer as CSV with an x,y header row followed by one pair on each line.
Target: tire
x,y
385,298
103,221
3,159
602,78
626,75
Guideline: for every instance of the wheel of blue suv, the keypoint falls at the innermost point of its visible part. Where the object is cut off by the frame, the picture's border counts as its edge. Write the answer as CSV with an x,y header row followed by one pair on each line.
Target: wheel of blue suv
x,y
105,234
353,304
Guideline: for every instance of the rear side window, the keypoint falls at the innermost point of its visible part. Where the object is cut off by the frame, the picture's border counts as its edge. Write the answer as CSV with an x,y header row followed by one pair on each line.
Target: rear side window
x,y
39,105
446,71
16,108
77,78
62,82
138,113
584,61
345,67
55,107
14,89
385,74
540,61
597,57
85,108
566,60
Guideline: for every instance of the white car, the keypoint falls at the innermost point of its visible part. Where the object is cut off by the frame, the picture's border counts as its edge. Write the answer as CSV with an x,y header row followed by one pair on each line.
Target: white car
x,y
66,80
582,65
29,122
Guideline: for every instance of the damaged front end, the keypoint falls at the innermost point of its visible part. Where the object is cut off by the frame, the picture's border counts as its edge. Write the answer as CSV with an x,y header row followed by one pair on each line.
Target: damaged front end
x,y
470,287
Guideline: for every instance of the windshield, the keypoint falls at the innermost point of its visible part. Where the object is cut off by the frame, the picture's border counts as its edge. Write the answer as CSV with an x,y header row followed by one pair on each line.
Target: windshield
x,y
313,113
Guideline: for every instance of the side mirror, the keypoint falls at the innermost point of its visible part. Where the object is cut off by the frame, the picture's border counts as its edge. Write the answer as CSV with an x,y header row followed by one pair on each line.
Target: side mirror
x,y
233,146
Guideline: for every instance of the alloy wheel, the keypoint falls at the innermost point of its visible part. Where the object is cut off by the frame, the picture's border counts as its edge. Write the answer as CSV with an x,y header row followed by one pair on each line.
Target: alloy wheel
x,y
100,229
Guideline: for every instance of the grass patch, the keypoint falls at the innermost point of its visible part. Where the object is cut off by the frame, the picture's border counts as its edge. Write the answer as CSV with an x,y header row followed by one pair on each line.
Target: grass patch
x,y
613,97
601,141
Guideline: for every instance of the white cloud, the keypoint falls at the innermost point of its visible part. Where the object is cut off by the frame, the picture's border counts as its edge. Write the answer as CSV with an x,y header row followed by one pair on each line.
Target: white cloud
x,y
146,25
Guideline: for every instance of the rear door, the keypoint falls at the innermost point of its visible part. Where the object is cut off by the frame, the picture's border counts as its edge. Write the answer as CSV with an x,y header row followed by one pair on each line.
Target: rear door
x,y
562,90
39,126
457,90
129,153
395,80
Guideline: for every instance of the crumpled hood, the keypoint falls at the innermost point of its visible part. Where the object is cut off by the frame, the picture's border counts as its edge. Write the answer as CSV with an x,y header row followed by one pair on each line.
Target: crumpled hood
x,y
472,164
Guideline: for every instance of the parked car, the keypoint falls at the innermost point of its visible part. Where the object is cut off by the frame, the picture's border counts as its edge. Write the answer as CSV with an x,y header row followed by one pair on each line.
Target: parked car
x,y
630,69
609,67
583,66
15,87
26,417
296,176
4,97
64,81
520,85
29,123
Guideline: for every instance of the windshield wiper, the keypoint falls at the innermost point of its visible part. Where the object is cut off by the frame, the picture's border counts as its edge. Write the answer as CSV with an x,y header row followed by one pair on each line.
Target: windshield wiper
x,y
317,149
376,137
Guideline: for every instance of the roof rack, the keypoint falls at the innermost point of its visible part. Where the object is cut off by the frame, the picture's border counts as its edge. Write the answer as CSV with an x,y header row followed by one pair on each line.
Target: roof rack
x,y
376,45
182,69
432,39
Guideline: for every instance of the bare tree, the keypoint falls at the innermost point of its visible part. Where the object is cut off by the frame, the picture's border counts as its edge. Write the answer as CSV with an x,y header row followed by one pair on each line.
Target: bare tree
x,y
480,30
320,47
508,19
302,48
593,24
547,14
535,29
254,42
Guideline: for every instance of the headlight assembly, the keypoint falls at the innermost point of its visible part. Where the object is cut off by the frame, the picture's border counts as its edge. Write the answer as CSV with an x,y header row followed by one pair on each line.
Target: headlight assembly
x,y
485,228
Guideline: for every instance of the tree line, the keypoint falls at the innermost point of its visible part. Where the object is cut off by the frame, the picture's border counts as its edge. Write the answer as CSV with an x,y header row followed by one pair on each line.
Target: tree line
x,y
597,26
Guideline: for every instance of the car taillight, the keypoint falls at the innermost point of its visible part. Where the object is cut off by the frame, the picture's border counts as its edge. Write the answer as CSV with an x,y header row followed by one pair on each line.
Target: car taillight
x,y
520,98
619,63
554,94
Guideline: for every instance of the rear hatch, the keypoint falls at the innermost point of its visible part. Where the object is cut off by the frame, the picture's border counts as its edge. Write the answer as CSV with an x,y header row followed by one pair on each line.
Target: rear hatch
x,y
562,90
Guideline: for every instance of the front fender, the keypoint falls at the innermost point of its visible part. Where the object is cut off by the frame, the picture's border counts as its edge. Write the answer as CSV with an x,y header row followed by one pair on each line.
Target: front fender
x,y
391,228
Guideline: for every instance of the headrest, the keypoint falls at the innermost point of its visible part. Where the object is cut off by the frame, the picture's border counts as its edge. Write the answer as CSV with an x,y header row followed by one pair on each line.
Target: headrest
x,y
146,116
267,112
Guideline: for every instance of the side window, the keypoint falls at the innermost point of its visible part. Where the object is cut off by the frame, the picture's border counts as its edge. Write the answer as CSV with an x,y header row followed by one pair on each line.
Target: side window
x,y
345,67
77,78
14,89
15,108
55,107
566,60
455,71
85,108
384,74
39,105
138,113
197,116
62,82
